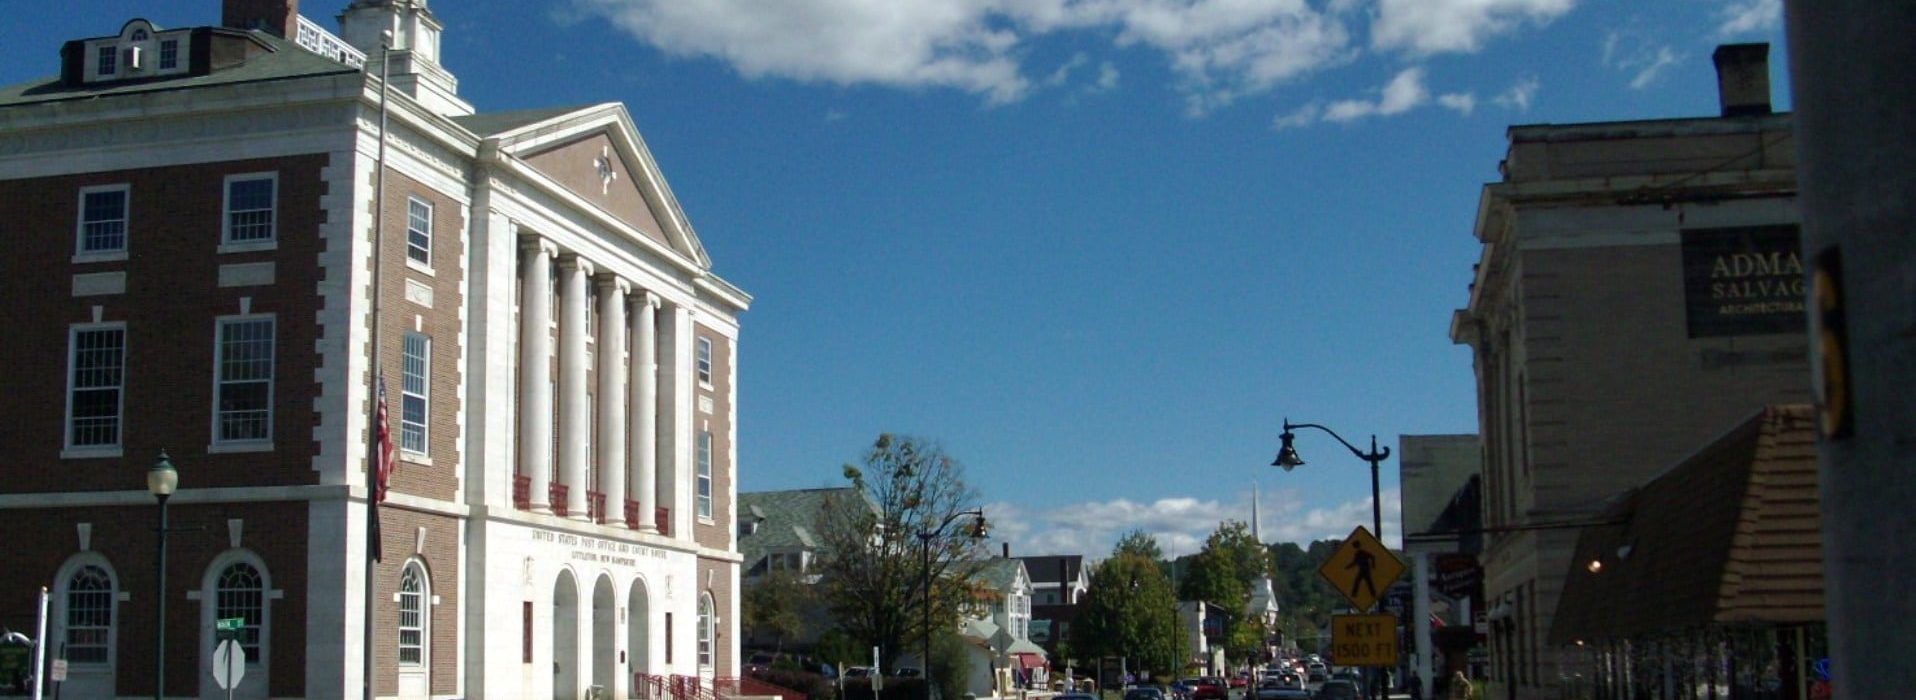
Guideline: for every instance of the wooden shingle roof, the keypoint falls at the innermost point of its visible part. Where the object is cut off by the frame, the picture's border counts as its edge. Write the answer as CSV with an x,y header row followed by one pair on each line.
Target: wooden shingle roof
x,y
1730,535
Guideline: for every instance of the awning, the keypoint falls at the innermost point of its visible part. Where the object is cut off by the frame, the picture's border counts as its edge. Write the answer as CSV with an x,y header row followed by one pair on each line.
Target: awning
x,y
1029,661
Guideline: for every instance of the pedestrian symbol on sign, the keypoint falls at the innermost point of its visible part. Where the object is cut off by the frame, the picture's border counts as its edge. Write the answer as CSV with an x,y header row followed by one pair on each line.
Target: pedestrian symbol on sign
x,y
1362,561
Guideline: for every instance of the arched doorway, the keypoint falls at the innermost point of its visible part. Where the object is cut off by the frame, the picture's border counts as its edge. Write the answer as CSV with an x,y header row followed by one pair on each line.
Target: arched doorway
x,y
638,625
565,638
605,640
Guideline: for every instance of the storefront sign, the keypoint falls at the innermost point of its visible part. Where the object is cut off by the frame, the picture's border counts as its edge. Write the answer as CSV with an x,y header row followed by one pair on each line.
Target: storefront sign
x,y
1743,281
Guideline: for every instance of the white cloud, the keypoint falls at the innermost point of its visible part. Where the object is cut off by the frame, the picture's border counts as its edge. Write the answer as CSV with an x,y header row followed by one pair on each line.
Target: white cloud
x,y
1302,117
1426,27
1107,77
901,43
1220,49
1404,92
1063,73
1180,524
1744,16
1520,94
1638,54
1463,103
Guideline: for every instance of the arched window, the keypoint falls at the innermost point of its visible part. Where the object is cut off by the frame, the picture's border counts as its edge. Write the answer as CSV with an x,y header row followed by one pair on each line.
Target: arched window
x,y
705,630
240,592
412,615
89,618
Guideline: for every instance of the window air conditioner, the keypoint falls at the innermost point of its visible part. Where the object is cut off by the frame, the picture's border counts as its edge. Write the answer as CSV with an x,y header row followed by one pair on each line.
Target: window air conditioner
x,y
135,58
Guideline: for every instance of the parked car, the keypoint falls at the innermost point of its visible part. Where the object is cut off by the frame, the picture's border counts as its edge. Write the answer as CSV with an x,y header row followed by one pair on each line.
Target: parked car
x,y
1356,679
909,672
1075,696
1282,692
857,672
1317,674
1288,679
1144,693
1240,681
1338,690
1211,689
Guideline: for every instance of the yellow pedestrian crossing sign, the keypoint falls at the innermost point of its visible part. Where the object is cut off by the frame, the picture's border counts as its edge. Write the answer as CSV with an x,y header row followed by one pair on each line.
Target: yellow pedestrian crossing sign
x,y
1362,569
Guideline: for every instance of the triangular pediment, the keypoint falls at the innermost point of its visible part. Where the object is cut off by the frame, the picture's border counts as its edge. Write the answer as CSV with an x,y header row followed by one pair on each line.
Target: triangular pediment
x,y
595,155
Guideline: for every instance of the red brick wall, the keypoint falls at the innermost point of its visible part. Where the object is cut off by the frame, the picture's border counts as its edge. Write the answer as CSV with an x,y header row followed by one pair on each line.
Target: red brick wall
x,y
726,641
172,297
277,532
440,479
398,536
719,534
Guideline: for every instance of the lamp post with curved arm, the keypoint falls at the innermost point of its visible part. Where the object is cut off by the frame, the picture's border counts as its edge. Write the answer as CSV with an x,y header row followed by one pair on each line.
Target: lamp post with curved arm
x,y
924,538
1288,459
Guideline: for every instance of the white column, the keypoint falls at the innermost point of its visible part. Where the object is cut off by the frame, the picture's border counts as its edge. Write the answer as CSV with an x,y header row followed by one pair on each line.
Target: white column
x,y
645,417
676,418
611,395
535,354
574,408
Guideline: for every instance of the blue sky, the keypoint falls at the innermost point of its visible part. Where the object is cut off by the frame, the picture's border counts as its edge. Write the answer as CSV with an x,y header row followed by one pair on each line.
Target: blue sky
x,y
1097,248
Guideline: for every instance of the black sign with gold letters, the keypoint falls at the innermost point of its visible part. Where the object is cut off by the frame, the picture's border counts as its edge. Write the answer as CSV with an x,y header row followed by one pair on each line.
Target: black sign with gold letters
x,y
1743,281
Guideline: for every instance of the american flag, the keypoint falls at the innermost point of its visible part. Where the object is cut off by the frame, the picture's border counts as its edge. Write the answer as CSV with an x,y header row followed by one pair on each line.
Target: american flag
x,y
382,470
385,437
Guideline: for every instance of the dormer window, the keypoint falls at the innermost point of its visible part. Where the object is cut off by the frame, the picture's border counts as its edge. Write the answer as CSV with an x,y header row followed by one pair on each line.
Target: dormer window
x,y
109,60
169,54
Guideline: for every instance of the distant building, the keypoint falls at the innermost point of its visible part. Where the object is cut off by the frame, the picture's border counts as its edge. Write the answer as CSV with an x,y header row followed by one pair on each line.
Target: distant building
x,y
191,267
778,531
1058,585
1441,477
998,631
1639,293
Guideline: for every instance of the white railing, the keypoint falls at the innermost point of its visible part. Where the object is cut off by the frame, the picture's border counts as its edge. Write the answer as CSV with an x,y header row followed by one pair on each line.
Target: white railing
x,y
316,39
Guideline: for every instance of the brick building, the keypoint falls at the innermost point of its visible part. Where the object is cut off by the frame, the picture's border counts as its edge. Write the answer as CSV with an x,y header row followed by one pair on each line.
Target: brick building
x,y
1639,294
191,216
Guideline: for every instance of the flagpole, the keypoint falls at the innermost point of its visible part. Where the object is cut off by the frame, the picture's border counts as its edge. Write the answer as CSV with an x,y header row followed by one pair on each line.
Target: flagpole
x,y
373,452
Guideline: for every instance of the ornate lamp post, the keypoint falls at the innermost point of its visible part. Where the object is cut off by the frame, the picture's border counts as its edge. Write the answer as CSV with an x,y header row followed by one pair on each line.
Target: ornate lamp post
x,y
977,532
1288,459
161,480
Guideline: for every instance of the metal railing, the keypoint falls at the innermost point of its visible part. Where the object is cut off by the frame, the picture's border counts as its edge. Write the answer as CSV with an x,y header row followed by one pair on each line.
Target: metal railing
x,y
522,492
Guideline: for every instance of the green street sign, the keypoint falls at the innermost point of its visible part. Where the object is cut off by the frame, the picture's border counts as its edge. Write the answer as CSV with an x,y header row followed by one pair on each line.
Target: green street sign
x,y
230,624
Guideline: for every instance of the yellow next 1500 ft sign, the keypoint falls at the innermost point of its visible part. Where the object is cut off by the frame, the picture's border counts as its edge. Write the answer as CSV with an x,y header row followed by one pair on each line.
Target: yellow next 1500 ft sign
x,y
1364,640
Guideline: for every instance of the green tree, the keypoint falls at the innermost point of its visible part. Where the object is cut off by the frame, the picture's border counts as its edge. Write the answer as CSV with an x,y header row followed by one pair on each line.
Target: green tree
x,y
1128,613
872,561
1140,543
1222,574
774,605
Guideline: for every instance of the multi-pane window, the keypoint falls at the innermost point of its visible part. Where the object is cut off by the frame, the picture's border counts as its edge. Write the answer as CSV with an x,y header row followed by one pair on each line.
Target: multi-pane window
x,y
249,207
241,593
169,54
244,404
704,351
412,615
109,60
705,473
419,230
103,214
89,616
96,385
705,630
412,409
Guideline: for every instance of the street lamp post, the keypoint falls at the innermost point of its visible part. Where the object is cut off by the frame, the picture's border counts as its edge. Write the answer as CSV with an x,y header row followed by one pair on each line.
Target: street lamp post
x,y
924,539
1288,459
161,480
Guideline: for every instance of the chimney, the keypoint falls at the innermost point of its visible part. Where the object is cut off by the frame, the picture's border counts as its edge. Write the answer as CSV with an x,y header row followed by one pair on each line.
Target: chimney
x,y
1743,79
1007,550
277,17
